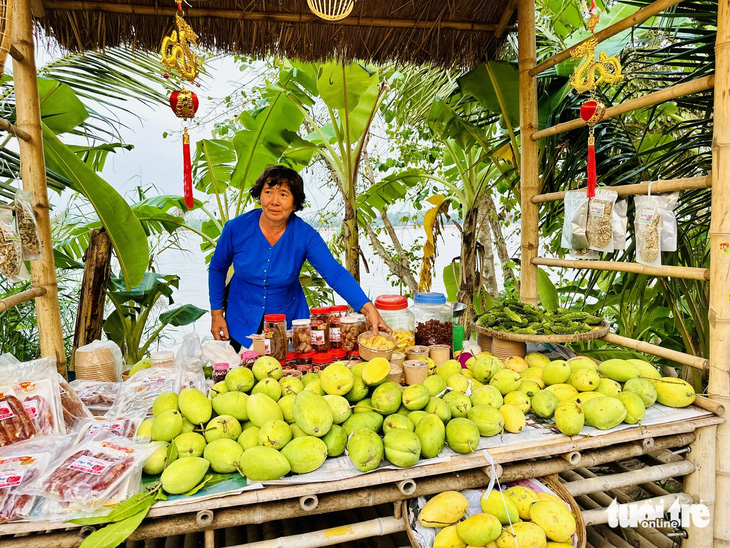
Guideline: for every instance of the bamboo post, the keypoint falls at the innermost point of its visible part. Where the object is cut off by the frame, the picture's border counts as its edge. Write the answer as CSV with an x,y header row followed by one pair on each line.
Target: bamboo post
x,y
20,298
33,173
656,350
594,517
687,272
650,473
529,176
701,484
97,270
719,309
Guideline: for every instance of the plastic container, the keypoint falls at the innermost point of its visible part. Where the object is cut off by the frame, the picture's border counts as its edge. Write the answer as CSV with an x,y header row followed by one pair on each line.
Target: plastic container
x,y
396,373
338,354
220,370
398,358
162,358
248,358
291,361
394,311
416,371
301,336
320,361
368,349
319,321
336,314
439,353
434,320
419,352
304,362
349,331
275,339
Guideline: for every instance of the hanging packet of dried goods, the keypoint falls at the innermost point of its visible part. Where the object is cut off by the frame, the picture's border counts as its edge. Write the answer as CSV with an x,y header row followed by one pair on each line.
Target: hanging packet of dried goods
x,y
599,228
30,236
575,220
618,223
87,475
139,392
668,237
11,250
125,427
35,384
20,463
648,224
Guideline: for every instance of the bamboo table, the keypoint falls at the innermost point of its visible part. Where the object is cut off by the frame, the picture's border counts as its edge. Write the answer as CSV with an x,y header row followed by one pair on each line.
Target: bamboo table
x,y
512,462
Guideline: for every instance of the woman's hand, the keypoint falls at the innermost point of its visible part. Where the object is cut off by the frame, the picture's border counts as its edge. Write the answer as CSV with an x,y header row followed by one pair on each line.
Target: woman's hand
x,y
218,325
374,320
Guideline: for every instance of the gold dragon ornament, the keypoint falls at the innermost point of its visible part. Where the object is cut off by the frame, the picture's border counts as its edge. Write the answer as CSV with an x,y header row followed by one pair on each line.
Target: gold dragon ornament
x,y
589,73
176,53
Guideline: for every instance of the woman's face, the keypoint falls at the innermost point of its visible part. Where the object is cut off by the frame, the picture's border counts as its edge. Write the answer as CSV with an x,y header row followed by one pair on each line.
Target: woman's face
x,y
277,202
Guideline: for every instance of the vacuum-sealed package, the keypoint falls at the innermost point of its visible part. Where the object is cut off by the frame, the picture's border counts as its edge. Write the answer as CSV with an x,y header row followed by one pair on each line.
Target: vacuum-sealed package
x,y
87,475
575,220
15,424
19,465
97,395
139,392
11,250
73,407
125,427
618,223
30,236
599,227
648,224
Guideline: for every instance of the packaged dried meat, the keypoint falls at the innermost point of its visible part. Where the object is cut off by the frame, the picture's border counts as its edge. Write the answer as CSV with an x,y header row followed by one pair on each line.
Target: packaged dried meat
x,y
73,408
20,463
125,427
87,475
139,392
15,424
97,395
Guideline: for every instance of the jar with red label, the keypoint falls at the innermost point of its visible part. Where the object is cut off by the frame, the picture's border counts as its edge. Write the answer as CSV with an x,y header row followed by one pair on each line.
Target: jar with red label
x,y
275,340
336,314
320,361
248,358
349,331
220,370
291,361
301,336
319,321
304,361
338,354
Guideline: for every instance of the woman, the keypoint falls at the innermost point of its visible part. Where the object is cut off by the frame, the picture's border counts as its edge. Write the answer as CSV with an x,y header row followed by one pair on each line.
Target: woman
x,y
267,248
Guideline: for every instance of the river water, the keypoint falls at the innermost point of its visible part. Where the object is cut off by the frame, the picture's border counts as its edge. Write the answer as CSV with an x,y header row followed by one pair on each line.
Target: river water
x,y
190,266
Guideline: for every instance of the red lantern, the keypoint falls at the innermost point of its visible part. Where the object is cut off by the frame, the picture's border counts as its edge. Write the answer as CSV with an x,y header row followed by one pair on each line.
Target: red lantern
x,y
592,112
184,103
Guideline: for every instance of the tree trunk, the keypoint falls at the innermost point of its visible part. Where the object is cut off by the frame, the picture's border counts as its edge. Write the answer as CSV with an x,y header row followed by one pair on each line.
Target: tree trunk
x,y
402,269
352,245
97,271
499,241
484,236
469,273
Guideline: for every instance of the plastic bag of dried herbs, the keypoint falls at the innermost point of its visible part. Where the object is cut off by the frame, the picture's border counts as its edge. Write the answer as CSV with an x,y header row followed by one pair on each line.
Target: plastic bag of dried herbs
x,y
599,228
27,225
574,222
668,236
619,220
11,250
648,225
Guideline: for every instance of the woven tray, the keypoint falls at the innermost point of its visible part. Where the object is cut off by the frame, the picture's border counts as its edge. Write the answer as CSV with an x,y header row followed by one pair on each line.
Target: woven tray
x,y
602,331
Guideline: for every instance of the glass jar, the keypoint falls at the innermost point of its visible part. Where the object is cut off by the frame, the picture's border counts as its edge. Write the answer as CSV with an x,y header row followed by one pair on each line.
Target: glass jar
x,y
275,339
220,370
163,358
434,323
394,311
301,336
349,331
319,321
304,361
320,361
338,354
291,361
248,358
336,314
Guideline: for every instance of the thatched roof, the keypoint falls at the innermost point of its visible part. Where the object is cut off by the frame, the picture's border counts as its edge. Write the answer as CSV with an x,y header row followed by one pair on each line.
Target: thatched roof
x,y
443,32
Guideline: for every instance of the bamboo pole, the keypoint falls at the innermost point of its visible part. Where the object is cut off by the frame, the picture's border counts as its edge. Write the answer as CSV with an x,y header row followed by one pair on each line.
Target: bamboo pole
x,y
672,92
701,484
33,173
648,348
15,54
334,535
243,15
657,187
595,517
690,273
634,19
709,405
10,128
650,473
615,540
529,175
719,311
651,488
505,18
18,298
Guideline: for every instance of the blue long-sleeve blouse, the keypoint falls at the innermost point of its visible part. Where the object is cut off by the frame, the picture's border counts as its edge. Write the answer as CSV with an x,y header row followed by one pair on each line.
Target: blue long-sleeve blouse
x,y
266,277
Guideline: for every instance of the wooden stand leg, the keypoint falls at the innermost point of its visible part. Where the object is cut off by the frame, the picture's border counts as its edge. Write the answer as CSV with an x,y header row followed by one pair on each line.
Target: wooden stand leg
x,y
701,484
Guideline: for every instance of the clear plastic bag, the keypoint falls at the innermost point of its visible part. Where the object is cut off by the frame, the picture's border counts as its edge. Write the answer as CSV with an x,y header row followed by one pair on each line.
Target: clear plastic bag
x,y
15,424
30,236
87,475
97,395
100,361
618,223
190,354
648,225
575,220
139,392
73,407
125,427
599,228
11,250
19,465
192,379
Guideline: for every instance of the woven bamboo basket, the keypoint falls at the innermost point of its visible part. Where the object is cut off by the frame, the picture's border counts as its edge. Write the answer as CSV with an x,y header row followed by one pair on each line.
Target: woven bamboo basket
x,y
552,481
484,342
504,349
601,331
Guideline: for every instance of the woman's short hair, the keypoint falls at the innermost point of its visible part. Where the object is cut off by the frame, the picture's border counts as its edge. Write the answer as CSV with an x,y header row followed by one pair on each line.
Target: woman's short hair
x,y
277,175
